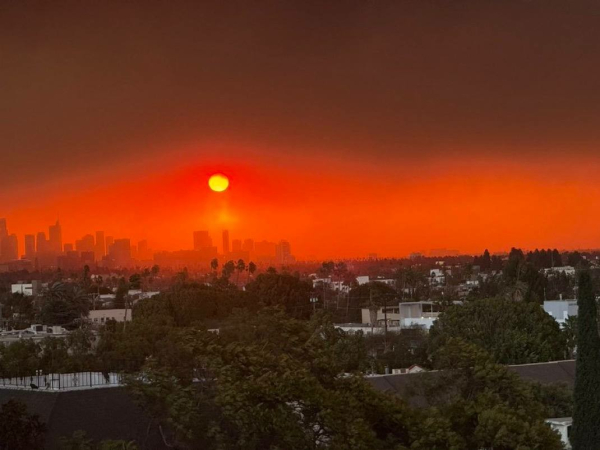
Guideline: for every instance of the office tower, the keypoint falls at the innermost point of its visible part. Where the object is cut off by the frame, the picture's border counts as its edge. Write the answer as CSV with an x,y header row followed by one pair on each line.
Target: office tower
x,y
108,243
202,240
236,246
100,245
3,229
68,248
265,249
55,238
30,246
283,251
120,252
41,243
3,235
86,244
10,248
248,245
143,251
225,242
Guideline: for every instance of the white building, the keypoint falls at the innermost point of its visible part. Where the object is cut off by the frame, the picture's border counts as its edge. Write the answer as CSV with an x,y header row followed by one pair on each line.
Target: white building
x,y
567,270
419,314
563,427
100,316
26,289
34,332
405,315
364,279
561,310
437,277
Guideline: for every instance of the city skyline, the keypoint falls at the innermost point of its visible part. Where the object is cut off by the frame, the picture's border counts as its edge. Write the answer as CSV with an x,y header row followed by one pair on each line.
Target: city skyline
x,y
361,138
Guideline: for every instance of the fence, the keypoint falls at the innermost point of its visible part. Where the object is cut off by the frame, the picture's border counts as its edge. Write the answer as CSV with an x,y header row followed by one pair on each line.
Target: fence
x,y
63,381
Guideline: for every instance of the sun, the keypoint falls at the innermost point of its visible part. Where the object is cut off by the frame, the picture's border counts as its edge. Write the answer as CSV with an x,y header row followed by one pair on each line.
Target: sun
x,y
218,182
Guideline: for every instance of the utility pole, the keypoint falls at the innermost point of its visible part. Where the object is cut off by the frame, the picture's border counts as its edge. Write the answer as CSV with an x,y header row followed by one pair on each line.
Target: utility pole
x,y
385,342
314,301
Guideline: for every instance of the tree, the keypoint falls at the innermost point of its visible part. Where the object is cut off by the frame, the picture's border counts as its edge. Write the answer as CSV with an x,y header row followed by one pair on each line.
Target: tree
x,y
18,429
239,267
512,332
228,269
214,264
276,384
80,441
289,291
475,403
251,268
586,416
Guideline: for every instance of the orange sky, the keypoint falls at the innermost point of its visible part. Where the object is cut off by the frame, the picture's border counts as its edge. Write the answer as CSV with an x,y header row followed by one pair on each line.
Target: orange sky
x,y
346,127
325,206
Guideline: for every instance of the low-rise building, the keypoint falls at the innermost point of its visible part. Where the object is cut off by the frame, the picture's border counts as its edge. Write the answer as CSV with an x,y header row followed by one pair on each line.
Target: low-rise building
x,y
26,289
101,316
561,310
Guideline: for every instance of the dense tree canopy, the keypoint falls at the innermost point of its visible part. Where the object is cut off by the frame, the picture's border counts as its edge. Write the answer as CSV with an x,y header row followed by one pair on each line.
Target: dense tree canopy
x,y
512,332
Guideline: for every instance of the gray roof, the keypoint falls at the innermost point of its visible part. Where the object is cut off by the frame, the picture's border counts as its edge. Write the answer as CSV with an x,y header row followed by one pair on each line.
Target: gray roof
x,y
545,373
108,413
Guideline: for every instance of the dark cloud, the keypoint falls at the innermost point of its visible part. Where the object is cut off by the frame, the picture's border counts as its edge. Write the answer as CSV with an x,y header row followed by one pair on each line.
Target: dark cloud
x,y
87,85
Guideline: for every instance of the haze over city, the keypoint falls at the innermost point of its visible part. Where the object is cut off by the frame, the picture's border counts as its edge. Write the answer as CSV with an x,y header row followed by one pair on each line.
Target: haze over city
x,y
367,127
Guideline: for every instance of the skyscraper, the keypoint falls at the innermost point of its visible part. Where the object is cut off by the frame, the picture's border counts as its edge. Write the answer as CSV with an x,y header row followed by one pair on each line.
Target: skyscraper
x,y
85,244
121,252
30,246
283,252
3,229
248,245
10,248
202,240
55,238
225,242
41,243
100,245
108,243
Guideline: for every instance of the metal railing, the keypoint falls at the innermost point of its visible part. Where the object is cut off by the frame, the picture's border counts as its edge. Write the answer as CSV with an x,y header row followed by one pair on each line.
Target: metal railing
x,y
63,381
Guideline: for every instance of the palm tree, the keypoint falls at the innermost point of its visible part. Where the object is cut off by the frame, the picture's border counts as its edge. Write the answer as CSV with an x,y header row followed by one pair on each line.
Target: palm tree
x,y
251,268
240,267
214,265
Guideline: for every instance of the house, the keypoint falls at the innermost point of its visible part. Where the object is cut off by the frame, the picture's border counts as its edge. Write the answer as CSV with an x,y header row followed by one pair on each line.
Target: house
x,y
553,271
437,277
102,412
404,315
412,369
26,289
555,372
419,314
563,427
100,316
561,310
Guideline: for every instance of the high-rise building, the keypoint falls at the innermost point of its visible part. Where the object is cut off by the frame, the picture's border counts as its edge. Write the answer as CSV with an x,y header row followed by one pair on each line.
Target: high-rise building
x,y
100,245
248,245
236,246
120,252
10,248
283,252
202,240
225,242
86,244
3,229
55,238
30,246
144,253
41,243
68,248
108,243
3,235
